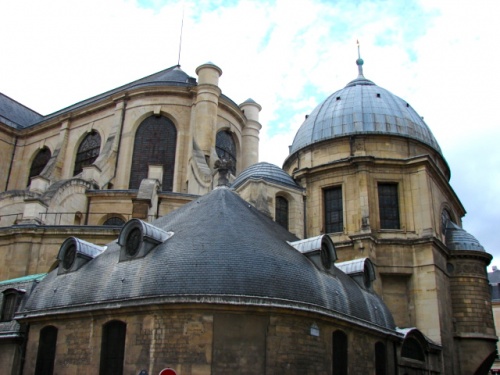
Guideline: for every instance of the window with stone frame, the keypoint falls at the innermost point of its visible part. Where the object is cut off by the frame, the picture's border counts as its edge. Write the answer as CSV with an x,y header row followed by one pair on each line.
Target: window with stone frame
x,y
155,143
88,151
226,148
388,204
11,301
334,210
46,354
39,162
113,348
339,353
281,211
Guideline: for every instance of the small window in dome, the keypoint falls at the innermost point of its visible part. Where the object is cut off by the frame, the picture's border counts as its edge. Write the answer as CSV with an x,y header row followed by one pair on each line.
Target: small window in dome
x,y
338,97
378,95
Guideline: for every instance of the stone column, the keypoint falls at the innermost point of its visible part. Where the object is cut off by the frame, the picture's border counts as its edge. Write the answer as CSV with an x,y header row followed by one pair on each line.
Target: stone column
x,y
207,101
250,138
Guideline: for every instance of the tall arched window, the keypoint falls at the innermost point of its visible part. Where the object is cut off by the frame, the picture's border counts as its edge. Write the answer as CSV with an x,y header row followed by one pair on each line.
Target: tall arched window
x,y
155,143
226,148
281,211
88,151
46,351
380,359
113,348
339,353
39,162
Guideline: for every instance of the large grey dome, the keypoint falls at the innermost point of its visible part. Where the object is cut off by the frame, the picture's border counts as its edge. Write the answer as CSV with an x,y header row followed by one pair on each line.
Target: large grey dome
x,y
362,107
222,251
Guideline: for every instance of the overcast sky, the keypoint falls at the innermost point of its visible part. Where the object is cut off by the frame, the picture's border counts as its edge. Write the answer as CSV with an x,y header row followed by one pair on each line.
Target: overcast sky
x,y
287,55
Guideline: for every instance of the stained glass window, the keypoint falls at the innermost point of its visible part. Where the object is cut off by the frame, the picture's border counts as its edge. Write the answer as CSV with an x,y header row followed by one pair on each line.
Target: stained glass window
x,y
155,143
39,162
87,152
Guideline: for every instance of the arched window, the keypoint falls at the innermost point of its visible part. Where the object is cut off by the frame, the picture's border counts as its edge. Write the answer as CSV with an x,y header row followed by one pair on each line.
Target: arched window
x,y
412,349
445,218
39,162
226,148
380,359
155,143
46,351
88,151
339,353
281,211
112,348
114,221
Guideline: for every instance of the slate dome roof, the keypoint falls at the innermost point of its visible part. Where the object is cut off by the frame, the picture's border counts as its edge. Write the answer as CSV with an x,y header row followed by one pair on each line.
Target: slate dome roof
x,y
459,239
362,107
265,171
222,251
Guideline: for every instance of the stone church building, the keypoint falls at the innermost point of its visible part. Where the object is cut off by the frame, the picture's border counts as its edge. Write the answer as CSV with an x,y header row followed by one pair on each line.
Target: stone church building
x,y
140,232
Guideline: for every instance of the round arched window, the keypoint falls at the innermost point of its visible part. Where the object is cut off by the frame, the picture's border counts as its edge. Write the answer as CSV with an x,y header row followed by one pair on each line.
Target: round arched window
x,y
226,148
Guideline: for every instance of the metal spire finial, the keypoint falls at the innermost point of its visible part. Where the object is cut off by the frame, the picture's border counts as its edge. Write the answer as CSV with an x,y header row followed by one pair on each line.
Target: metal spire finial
x,y
180,38
359,62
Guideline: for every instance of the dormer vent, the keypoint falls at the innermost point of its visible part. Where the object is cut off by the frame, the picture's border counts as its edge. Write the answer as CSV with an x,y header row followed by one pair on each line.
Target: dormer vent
x,y
319,249
137,238
74,253
360,270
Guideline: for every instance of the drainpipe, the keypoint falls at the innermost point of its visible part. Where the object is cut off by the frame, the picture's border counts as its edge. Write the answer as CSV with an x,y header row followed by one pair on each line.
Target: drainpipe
x,y
11,163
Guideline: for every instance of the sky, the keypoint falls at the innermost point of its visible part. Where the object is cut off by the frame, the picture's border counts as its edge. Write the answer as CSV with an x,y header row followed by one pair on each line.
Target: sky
x,y
288,56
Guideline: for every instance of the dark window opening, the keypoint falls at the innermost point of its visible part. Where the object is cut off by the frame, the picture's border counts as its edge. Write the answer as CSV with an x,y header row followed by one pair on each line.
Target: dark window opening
x,y
87,152
114,221
46,351
11,302
445,218
112,348
413,350
334,219
388,206
155,143
281,212
380,359
339,353
39,163
226,148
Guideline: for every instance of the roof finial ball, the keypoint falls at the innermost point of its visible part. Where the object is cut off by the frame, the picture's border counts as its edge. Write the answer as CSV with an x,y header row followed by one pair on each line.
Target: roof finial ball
x,y
359,62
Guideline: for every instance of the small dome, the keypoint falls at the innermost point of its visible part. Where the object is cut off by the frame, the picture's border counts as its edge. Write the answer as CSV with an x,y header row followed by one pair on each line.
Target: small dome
x,y
265,171
458,239
362,107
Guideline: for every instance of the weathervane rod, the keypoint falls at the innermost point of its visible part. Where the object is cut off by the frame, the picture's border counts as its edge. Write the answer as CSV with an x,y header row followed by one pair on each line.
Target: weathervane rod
x,y
180,38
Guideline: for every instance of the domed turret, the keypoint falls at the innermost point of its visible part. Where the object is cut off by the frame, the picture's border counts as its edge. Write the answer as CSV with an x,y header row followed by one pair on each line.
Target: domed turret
x,y
362,107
